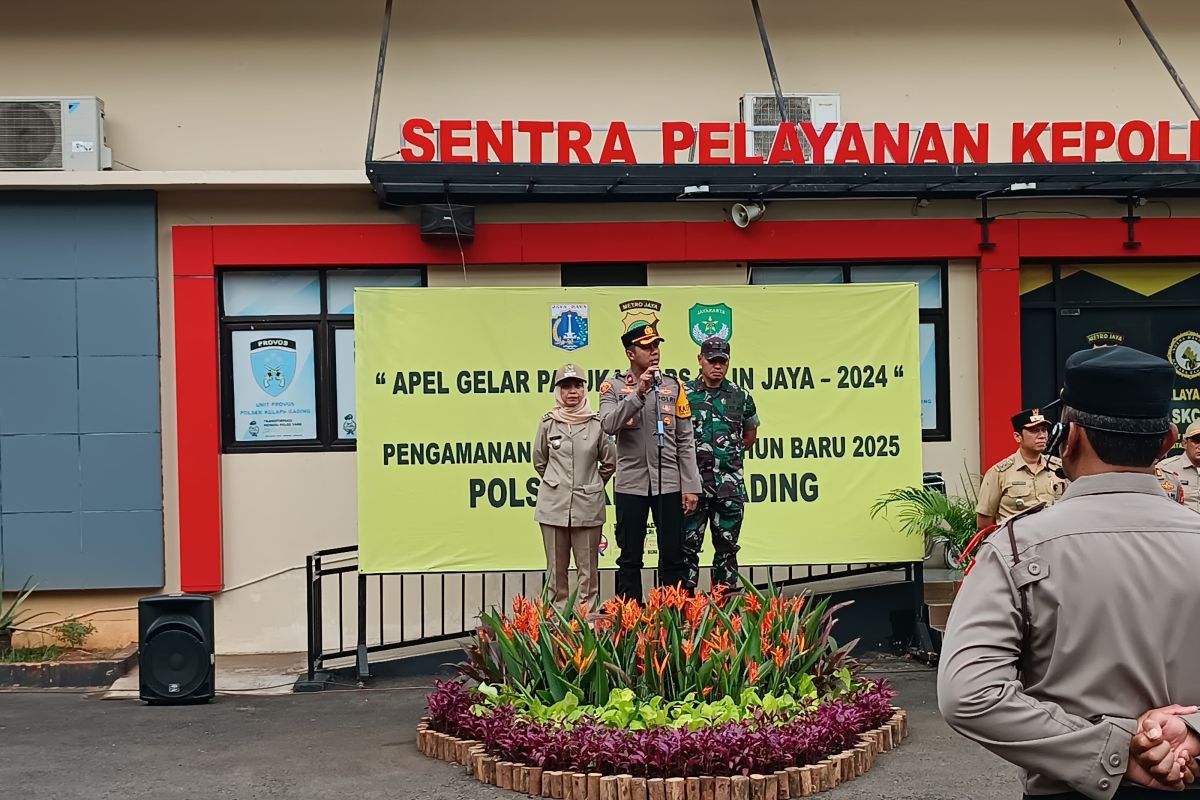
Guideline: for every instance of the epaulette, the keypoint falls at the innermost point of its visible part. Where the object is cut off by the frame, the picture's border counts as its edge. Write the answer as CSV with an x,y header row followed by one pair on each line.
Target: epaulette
x,y
1005,464
546,416
1054,461
987,532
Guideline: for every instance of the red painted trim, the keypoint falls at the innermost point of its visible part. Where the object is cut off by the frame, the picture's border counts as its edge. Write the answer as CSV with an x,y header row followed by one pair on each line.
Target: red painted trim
x,y
192,251
359,245
585,242
198,411
999,326
1105,238
832,240
198,251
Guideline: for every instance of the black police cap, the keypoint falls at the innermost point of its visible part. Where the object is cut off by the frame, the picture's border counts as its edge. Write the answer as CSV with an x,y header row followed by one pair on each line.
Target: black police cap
x,y
1119,382
1029,418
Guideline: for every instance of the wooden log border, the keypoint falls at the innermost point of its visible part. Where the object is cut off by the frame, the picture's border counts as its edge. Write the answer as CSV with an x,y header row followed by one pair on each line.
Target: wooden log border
x,y
785,784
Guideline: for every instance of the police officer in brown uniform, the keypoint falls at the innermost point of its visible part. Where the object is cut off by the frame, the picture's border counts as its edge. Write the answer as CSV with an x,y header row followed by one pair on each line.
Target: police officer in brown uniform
x,y
1185,467
1025,478
1075,619
656,472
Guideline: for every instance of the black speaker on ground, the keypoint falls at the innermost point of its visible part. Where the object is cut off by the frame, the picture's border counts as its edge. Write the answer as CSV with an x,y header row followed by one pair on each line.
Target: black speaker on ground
x,y
448,222
176,656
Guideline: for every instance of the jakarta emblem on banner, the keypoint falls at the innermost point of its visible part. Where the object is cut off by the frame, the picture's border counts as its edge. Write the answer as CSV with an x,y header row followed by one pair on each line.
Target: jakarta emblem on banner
x,y
451,385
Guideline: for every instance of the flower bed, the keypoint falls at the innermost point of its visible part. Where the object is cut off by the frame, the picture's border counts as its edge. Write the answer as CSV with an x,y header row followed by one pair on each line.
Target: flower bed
x,y
745,692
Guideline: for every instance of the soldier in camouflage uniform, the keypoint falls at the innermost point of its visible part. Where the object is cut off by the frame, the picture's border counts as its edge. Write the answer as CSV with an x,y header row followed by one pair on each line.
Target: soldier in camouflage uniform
x,y
725,421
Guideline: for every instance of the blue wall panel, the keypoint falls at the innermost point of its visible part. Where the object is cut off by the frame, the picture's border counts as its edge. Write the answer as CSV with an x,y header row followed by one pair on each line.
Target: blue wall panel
x,y
80,444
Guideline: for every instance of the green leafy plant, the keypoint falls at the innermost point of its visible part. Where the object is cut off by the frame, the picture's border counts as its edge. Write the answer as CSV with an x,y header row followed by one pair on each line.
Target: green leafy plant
x,y
20,655
708,646
626,711
922,511
11,615
74,633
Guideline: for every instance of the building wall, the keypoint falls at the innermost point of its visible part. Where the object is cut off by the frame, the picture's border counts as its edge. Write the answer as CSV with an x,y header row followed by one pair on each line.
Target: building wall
x,y
265,544
287,84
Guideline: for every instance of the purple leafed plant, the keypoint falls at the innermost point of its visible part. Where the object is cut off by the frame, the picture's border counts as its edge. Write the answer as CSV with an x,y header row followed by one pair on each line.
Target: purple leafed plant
x,y
733,748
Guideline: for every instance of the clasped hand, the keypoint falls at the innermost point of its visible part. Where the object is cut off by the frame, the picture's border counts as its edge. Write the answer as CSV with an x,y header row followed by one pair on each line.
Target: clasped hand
x,y
1163,752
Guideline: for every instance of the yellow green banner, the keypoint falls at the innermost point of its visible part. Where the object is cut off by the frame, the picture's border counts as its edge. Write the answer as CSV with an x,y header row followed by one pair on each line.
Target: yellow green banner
x,y
451,384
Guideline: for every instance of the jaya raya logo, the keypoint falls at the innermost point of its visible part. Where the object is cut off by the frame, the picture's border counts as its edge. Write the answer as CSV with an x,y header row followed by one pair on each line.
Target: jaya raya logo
x,y
569,326
273,362
640,312
1184,354
709,321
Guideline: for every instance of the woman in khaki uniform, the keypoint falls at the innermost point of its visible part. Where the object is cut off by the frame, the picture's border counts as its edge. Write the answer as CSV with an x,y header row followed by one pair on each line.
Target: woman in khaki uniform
x,y
575,459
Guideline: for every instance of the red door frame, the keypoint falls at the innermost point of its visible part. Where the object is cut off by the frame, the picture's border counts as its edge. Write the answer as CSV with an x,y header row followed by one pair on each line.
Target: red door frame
x,y
199,251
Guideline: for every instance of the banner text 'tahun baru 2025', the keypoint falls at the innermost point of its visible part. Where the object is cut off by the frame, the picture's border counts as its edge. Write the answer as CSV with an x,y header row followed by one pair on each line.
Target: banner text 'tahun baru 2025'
x,y
452,384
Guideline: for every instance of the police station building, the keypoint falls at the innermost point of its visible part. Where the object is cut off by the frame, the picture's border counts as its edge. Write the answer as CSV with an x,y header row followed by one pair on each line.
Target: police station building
x,y
187,204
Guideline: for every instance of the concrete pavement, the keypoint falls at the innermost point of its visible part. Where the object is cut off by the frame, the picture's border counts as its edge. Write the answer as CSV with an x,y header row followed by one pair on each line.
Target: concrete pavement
x,y
358,745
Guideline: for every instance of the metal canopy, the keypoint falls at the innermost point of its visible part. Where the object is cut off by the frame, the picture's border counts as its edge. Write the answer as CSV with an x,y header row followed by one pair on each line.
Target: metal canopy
x,y
405,183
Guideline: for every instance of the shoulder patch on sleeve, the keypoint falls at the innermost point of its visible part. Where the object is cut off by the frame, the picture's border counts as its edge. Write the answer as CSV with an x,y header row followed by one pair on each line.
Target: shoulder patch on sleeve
x,y
606,387
683,408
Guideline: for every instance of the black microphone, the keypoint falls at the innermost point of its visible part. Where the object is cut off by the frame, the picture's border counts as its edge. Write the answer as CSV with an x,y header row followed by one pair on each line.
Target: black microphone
x,y
657,377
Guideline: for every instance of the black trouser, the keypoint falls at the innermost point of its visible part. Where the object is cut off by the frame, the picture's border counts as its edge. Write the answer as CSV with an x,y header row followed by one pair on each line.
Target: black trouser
x,y
1123,793
632,510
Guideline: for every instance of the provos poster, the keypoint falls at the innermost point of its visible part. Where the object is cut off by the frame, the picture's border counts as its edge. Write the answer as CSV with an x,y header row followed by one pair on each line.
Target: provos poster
x,y
451,384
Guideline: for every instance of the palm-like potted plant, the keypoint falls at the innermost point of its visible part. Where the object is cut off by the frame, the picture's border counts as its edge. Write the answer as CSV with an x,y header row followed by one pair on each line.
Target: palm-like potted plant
x,y
11,615
939,518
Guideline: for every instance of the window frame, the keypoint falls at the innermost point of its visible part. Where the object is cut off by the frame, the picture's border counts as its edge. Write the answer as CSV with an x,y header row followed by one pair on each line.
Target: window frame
x,y
939,317
324,326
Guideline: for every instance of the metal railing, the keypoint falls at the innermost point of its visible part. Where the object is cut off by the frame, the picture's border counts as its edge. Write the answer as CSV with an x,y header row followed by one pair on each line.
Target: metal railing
x,y
355,617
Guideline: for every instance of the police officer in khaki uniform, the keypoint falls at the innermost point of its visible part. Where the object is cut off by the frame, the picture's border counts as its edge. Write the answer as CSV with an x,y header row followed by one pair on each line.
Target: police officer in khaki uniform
x,y
574,459
1186,467
1075,620
633,405
1025,478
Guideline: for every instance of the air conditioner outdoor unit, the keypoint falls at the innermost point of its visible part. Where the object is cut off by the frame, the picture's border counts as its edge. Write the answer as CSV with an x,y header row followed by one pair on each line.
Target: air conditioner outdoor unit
x,y
762,109
53,133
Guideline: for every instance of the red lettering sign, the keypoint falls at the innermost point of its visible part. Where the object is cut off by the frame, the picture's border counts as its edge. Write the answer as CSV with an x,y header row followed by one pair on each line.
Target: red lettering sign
x,y
731,143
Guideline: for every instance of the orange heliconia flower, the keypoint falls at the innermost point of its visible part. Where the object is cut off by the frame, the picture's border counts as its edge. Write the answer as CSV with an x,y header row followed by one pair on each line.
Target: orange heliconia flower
x,y
797,604
767,621
631,614
660,666
736,622
752,603
719,593
687,647
695,609
783,638
581,661
719,641
780,658
752,669
707,691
